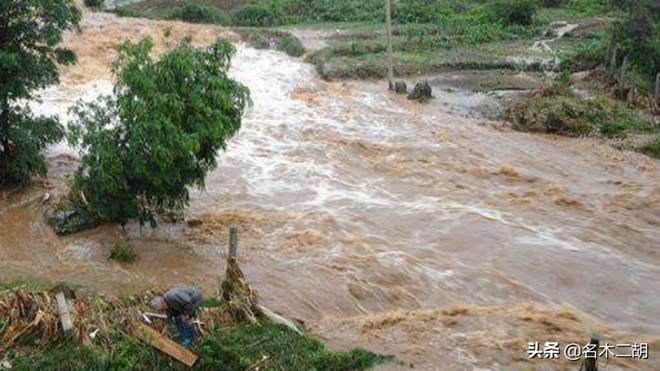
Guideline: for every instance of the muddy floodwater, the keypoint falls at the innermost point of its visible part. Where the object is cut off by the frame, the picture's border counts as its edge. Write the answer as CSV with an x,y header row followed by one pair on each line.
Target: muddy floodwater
x,y
403,228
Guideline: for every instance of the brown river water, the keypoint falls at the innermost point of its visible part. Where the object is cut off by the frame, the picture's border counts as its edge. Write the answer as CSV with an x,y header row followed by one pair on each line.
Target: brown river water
x,y
445,240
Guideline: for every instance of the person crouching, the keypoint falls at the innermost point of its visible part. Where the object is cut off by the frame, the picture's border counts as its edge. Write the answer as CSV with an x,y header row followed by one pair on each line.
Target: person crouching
x,y
180,304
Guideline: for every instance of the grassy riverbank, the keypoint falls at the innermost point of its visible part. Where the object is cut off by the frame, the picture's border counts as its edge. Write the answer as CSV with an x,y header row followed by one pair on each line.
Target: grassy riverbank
x,y
429,36
105,338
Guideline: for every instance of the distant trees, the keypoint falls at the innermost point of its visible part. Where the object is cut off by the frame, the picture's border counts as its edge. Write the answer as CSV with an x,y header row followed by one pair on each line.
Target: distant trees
x,y
636,38
30,31
200,13
159,133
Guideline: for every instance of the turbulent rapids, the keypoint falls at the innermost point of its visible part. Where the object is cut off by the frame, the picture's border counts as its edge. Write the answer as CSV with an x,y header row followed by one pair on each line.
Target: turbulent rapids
x,y
375,221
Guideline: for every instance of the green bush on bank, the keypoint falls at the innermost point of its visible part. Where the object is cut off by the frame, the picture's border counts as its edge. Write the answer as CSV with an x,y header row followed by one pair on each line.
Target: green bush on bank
x,y
515,12
123,252
280,40
255,15
570,115
557,111
197,13
94,3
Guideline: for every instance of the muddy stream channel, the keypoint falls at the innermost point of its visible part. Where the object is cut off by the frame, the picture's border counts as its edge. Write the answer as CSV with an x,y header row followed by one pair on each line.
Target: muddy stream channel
x,y
365,216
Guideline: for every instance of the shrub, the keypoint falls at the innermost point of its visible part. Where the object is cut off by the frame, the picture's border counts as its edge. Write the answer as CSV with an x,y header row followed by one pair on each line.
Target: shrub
x,y
586,56
297,11
123,252
421,11
561,113
651,148
159,133
94,3
196,13
254,15
29,58
554,3
280,40
519,12
291,45
638,37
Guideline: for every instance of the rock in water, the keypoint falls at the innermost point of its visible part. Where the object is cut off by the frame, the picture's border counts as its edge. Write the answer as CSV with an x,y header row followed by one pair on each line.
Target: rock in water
x,y
422,92
400,87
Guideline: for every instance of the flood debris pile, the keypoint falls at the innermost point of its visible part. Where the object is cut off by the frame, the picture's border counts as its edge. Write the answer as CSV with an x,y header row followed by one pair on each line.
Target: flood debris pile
x,y
31,319
109,333
241,299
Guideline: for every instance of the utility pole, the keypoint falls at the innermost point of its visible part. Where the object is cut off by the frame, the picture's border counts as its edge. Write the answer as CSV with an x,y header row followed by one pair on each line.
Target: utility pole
x,y
390,59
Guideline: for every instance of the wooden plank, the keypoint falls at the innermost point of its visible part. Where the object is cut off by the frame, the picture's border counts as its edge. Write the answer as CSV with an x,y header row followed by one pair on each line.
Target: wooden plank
x,y
63,310
167,346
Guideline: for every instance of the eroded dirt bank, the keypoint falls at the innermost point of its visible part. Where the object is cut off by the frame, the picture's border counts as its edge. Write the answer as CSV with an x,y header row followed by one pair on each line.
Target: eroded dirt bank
x,y
373,219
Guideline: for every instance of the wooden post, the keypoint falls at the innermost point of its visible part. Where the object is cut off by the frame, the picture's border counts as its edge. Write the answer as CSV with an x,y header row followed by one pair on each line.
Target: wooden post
x,y
591,364
657,88
390,58
63,310
233,242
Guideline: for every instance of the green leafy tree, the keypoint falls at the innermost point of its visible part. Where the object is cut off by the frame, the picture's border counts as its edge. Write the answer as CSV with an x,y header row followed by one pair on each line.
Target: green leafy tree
x,y
30,32
638,36
159,133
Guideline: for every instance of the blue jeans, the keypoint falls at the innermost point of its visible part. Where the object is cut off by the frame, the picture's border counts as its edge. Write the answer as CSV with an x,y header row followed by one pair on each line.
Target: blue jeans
x,y
185,332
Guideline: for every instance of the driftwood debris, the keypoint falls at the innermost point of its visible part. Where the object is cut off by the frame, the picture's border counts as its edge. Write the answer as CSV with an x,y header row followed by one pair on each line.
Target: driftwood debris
x,y
63,311
166,345
278,319
241,298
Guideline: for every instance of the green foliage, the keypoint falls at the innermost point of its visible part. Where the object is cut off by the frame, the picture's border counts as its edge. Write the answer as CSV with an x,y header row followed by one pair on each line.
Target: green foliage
x,y
71,215
236,348
94,3
254,15
421,11
305,11
240,347
520,12
68,356
560,113
126,11
23,138
585,56
638,37
160,133
554,3
198,13
30,32
280,40
651,148
123,252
